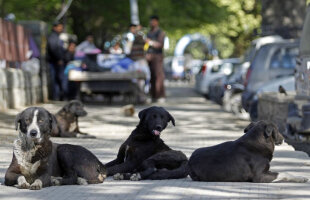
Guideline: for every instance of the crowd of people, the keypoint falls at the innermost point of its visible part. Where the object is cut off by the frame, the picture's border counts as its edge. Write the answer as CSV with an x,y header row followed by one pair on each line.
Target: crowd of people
x,y
138,46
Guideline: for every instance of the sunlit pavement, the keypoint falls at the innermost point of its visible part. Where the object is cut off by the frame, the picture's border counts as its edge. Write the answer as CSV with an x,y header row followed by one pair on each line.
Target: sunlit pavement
x,y
198,123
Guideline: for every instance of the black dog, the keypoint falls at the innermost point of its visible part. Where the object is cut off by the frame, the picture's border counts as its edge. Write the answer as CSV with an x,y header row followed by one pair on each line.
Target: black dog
x,y
67,120
246,159
144,155
79,166
36,158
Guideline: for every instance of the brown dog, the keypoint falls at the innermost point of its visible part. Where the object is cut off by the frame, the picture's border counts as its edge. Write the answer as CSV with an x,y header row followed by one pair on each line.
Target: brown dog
x,y
67,120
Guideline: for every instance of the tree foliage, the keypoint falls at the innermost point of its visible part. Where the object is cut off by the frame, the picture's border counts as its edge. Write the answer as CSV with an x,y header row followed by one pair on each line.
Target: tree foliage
x,y
229,23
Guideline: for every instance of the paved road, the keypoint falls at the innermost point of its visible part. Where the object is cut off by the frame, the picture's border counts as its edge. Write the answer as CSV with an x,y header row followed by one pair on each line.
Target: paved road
x,y
198,123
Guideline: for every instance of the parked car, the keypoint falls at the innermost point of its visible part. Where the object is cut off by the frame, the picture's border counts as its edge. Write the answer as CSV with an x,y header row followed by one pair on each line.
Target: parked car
x,y
212,69
181,67
217,88
271,61
192,68
234,86
220,84
258,43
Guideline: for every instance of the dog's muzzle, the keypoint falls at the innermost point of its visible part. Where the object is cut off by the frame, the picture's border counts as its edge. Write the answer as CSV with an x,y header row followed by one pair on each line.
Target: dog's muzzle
x,y
81,113
156,132
279,142
33,133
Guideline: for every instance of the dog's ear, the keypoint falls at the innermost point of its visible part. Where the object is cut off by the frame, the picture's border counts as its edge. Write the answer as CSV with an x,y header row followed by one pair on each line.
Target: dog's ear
x,y
251,125
142,114
170,118
66,108
272,130
53,122
269,129
17,120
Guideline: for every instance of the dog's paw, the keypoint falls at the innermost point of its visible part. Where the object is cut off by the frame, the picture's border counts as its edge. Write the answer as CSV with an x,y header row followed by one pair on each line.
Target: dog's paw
x,y
36,185
22,183
299,179
287,177
118,176
82,181
135,177
102,177
56,181
84,135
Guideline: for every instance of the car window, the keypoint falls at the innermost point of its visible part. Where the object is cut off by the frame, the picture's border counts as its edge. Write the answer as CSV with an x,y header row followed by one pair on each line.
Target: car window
x,y
284,58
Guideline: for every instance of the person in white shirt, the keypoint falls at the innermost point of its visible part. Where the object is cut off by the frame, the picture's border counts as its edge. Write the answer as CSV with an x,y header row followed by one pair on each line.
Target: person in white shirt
x,y
86,45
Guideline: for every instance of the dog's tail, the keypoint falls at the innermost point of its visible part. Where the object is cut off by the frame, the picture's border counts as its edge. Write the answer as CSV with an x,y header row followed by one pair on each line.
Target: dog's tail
x,y
180,172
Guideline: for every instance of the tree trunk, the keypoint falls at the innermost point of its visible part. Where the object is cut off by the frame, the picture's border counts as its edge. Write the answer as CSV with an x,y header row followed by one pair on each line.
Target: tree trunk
x,y
284,18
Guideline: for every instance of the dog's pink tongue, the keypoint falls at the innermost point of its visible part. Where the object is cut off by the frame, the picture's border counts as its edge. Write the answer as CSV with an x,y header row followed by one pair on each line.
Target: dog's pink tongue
x,y
156,132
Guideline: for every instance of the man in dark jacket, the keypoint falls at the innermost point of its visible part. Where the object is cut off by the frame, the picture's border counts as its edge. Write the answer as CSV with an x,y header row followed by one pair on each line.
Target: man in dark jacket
x,y
55,53
155,40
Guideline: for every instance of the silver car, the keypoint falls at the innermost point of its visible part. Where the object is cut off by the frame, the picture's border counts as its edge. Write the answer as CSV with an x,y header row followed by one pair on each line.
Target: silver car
x,y
272,61
212,69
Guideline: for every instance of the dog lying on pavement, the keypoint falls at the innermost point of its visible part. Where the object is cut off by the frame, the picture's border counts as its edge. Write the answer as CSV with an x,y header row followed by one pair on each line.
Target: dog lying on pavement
x,y
246,159
36,159
79,166
67,120
144,155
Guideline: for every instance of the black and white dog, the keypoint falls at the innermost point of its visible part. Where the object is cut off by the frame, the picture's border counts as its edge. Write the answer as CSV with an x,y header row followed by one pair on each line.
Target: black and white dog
x,y
144,155
36,159
246,159
34,155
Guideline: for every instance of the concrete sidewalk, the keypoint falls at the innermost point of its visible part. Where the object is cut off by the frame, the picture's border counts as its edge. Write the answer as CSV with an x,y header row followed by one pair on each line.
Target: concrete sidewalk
x,y
198,123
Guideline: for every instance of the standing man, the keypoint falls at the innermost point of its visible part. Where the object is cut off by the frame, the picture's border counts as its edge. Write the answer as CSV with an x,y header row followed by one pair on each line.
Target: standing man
x,y
154,56
55,58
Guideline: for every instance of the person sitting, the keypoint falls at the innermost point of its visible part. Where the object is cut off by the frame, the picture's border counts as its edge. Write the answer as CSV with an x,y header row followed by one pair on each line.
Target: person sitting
x,y
116,49
86,46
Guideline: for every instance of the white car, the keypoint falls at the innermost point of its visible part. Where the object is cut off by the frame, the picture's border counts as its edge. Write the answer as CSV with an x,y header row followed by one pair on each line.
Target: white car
x,y
212,69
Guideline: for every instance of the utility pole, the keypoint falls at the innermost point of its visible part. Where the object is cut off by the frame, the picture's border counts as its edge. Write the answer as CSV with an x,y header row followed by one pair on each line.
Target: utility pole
x,y
62,14
65,16
134,12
